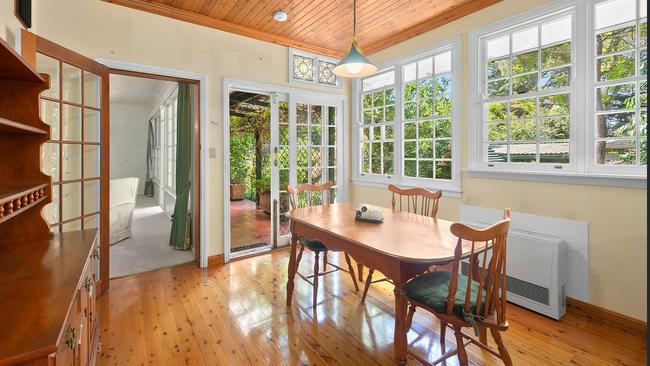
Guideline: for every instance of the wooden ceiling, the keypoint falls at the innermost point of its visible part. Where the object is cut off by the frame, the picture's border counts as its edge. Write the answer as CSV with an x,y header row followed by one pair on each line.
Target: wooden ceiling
x,y
320,26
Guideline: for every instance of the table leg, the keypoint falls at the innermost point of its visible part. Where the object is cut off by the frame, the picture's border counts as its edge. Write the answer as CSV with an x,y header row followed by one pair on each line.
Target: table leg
x,y
399,341
292,268
360,271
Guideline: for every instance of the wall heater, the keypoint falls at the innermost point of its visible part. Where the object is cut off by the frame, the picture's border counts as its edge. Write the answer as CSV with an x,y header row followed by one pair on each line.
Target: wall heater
x,y
536,271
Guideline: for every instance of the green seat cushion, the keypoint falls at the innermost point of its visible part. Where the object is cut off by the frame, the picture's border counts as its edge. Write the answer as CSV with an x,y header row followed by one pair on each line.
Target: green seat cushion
x,y
315,245
432,288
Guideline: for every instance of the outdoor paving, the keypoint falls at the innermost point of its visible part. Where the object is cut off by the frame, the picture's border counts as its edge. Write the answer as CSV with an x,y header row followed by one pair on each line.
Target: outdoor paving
x,y
248,225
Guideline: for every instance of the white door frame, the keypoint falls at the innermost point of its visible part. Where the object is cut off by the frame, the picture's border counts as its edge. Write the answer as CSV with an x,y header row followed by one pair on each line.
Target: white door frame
x,y
230,84
203,84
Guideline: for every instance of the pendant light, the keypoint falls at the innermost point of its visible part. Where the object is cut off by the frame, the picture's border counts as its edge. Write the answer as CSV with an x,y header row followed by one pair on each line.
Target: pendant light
x,y
355,64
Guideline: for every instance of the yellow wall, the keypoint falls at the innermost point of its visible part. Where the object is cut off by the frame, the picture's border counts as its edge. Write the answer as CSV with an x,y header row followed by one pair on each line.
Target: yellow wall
x,y
98,29
616,216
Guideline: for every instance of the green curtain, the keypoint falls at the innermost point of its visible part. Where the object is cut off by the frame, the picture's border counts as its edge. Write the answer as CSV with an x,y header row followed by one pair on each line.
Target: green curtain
x,y
180,235
148,183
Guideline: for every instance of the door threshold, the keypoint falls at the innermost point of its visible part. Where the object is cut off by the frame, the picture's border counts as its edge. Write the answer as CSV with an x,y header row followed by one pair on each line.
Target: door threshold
x,y
250,252
256,252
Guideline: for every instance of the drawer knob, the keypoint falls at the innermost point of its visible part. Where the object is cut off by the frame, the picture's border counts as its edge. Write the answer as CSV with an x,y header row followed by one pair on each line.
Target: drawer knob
x,y
95,254
70,337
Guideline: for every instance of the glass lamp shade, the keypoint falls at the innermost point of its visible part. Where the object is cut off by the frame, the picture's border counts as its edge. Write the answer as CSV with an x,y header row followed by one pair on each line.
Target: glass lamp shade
x,y
355,64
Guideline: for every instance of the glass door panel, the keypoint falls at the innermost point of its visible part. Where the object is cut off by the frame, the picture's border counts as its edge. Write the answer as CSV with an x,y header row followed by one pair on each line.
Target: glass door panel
x,y
307,151
283,163
71,106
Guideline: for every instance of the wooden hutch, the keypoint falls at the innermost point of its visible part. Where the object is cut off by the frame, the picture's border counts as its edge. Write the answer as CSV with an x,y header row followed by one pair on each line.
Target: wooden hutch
x,y
47,293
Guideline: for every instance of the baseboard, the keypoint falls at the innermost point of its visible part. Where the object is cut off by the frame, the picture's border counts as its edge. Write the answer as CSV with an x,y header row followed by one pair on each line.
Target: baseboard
x,y
612,316
215,260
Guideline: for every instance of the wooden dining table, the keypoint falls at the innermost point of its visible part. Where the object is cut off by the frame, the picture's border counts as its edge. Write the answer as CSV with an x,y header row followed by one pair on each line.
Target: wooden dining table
x,y
402,247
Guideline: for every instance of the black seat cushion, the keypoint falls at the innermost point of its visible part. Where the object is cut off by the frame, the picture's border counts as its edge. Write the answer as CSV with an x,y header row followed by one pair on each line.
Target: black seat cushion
x,y
315,245
432,288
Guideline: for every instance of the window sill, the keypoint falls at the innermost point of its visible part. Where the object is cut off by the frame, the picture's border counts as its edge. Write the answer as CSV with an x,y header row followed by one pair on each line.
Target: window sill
x,y
453,193
613,180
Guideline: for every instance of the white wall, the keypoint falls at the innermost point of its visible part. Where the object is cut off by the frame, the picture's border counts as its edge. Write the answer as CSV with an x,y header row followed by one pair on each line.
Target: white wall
x,y
129,130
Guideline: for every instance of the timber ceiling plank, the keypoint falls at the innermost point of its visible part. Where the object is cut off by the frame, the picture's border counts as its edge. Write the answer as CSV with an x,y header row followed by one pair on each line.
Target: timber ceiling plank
x,y
320,26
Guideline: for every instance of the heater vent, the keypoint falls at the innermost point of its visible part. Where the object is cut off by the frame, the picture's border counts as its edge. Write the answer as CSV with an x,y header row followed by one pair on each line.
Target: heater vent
x,y
522,288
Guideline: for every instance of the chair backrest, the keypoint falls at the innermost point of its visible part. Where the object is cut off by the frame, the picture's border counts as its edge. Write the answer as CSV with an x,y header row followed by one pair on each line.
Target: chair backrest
x,y
489,273
123,190
418,200
310,189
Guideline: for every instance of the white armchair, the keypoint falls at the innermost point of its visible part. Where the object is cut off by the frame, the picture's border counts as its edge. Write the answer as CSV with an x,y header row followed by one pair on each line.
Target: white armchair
x,y
122,204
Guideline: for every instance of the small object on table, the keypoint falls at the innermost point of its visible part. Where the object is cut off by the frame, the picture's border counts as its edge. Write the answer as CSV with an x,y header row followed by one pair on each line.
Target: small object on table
x,y
369,213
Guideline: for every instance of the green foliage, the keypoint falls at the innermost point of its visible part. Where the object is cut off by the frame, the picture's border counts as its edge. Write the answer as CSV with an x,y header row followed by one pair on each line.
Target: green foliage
x,y
525,62
263,185
242,155
557,55
249,139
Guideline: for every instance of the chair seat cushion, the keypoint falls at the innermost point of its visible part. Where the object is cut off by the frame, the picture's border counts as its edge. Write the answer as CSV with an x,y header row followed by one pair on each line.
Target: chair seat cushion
x,y
315,245
432,288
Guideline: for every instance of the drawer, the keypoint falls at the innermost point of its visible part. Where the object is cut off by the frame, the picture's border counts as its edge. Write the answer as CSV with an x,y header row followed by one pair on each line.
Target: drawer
x,y
66,354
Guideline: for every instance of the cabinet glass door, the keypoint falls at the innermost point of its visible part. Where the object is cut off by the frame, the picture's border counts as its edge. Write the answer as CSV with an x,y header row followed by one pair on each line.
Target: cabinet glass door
x,y
71,106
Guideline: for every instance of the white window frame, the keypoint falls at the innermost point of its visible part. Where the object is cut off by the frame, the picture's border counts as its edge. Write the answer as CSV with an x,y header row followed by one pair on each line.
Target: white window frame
x,y
450,187
156,147
591,100
580,169
167,112
317,60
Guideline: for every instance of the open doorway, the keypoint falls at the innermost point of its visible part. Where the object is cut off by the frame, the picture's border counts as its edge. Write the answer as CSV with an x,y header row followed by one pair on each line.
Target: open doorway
x,y
303,147
250,172
144,132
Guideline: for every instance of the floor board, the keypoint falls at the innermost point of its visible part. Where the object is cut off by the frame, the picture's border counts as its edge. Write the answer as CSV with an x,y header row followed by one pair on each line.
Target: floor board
x,y
235,314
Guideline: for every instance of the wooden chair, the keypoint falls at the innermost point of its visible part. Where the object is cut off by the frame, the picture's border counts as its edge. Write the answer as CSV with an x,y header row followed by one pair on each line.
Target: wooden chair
x,y
415,200
316,246
476,300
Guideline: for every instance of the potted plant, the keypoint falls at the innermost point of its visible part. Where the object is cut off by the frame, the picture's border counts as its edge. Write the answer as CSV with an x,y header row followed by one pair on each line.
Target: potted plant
x,y
263,188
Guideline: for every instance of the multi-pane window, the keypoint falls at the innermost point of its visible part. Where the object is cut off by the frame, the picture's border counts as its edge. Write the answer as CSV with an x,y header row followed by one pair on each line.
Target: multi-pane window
x,y
310,68
526,99
171,126
156,146
562,88
377,124
406,129
620,83
427,119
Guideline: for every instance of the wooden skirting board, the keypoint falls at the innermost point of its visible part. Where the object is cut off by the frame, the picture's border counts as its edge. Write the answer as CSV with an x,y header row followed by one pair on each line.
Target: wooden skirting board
x,y
215,260
597,312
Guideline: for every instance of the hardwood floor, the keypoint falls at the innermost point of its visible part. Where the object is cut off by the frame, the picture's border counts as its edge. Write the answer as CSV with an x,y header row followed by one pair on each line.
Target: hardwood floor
x,y
235,314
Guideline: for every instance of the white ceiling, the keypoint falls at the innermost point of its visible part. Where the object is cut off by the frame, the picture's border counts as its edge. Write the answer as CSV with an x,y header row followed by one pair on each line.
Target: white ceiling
x,y
134,90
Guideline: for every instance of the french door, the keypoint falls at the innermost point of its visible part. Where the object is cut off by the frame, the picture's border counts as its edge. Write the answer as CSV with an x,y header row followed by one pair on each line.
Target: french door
x,y
76,156
306,140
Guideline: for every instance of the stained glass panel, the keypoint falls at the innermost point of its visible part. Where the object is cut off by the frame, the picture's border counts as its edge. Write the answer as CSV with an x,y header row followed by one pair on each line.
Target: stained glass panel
x,y
326,73
303,68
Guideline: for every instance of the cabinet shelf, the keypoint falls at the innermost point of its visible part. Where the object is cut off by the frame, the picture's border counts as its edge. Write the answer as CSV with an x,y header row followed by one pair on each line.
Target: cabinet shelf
x,y
13,67
12,127
16,200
